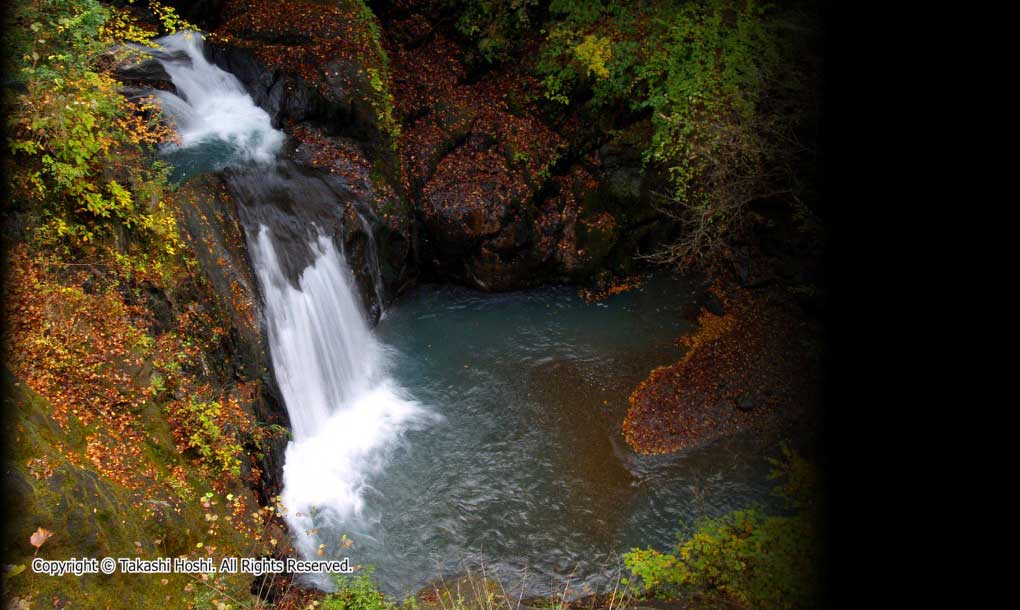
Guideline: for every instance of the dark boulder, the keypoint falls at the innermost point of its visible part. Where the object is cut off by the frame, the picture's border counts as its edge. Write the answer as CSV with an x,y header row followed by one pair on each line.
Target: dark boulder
x,y
141,69
372,219
283,95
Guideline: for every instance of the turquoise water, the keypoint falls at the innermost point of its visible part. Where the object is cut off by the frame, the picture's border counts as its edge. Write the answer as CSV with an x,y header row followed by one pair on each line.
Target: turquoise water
x,y
527,472
210,156
524,473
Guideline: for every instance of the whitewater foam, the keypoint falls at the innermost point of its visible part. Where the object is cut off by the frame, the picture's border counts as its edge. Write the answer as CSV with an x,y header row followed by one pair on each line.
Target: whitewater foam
x,y
346,414
211,105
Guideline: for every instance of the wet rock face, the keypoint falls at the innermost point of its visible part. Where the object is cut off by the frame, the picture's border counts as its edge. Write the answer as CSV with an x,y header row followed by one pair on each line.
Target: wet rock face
x,y
309,61
209,222
311,68
375,222
285,96
142,71
505,197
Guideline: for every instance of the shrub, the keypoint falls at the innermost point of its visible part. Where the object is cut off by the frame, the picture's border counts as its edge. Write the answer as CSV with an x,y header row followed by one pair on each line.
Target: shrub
x,y
82,151
357,593
211,430
494,25
746,558
719,82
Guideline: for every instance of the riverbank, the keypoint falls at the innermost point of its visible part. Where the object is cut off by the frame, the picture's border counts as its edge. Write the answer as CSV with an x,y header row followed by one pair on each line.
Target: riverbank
x,y
753,365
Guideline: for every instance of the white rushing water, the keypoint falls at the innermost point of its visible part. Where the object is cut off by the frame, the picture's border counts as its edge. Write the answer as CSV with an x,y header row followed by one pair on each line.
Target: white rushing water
x,y
211,105
346,413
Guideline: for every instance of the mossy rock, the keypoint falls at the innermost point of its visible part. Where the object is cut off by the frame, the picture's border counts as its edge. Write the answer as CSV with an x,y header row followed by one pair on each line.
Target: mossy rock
x,y
90,517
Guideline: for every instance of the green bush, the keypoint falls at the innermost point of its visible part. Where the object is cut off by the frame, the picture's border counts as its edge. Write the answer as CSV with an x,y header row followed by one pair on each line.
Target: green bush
x,y
83,168
357,593
717,79
361,593
494,25
219,449
746,558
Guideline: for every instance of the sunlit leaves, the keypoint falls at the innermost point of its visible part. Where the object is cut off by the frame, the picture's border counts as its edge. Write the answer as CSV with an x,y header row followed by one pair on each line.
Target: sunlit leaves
x,y
594,51
205,427
81,148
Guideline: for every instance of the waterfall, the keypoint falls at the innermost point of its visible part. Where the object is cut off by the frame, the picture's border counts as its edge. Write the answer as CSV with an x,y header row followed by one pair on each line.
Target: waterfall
x,y
346,412
211,106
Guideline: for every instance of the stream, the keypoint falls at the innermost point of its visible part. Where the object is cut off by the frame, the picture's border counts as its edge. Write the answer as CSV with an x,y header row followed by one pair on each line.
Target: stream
x,y
528,471
466,429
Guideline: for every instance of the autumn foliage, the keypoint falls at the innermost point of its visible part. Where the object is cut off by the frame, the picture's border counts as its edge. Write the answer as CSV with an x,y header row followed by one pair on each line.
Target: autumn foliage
x,y
335,47
91,355
83,353
82,177
753,368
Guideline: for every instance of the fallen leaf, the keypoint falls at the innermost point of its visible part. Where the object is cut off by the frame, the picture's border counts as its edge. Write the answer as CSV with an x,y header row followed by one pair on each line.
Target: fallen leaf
x,y
40,537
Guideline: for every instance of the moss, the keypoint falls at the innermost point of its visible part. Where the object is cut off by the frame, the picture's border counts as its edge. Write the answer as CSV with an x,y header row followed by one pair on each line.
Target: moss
x,y
97,349
52,483
92,516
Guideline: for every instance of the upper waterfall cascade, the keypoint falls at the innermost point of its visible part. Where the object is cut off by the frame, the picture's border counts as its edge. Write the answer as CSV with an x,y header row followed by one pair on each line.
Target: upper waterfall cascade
x,y
211,105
